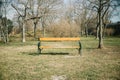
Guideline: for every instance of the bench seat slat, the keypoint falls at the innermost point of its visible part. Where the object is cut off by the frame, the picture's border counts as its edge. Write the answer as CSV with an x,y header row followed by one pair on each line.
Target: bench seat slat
x,y
48,47
59,39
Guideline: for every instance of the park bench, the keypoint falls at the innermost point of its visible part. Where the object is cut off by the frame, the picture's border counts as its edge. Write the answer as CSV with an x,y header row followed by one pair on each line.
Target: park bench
x,y
73,39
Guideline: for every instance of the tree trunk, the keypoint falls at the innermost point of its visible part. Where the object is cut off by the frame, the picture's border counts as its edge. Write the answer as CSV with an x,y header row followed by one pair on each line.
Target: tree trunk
x,y
97,32
7,36
23,33
86,30
35,24
43,26
0,36
6,27
100,32
3,36
0,33
81,33
43,31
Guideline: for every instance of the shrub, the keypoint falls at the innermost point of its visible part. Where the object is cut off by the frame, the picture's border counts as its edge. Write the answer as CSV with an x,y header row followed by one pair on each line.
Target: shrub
x,y
64,29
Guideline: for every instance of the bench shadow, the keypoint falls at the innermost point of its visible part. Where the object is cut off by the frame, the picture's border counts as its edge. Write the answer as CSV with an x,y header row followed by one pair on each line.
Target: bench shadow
x,y
50,53
91,48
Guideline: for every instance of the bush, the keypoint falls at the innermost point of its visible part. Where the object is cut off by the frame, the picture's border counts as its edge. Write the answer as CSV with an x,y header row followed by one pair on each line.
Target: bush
x,y
64,29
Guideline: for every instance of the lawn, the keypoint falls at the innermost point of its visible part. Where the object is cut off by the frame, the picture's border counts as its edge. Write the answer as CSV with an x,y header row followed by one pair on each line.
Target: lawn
x,y
20,61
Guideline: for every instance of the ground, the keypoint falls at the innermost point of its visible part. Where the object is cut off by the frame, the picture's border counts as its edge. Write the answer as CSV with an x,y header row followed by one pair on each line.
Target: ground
x,y
20,61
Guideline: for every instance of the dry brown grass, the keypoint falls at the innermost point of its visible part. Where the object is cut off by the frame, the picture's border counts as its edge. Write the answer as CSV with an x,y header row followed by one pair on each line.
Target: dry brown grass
x,y
21,62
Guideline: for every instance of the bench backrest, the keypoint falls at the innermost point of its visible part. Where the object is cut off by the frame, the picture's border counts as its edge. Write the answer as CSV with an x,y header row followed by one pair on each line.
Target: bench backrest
x,y
60,39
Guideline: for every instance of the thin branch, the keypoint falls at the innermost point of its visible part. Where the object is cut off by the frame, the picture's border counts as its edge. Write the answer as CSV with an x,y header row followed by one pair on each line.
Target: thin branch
x,y
16,10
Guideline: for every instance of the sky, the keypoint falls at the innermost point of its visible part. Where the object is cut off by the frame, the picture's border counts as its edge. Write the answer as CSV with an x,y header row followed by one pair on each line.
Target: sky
x,y
115,19
12,12
116,15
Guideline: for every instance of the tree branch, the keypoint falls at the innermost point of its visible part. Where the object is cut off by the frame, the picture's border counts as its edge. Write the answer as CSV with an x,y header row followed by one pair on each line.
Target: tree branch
x,y
16,10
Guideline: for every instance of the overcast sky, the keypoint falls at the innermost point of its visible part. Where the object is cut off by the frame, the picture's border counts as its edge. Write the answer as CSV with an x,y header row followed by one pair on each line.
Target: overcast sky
x,y
12,12
116,15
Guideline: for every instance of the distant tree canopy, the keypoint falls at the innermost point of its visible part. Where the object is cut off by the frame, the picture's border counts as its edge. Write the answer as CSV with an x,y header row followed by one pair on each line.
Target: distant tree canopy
x,y
9,25
45,18
115,27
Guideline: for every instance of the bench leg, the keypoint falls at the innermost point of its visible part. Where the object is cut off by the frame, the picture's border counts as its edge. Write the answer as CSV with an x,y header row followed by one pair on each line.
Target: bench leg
x,y
80,48
39,50
79,51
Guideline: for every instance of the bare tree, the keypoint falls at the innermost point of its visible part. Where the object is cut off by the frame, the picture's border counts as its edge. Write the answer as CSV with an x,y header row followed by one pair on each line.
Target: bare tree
x,y
83,15
78,8
21,9
4,27
43,10
49,9
34,13
1,3
101,7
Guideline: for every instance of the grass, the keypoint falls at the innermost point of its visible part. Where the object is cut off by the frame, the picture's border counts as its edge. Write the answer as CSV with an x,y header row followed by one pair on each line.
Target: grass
x,y
20,61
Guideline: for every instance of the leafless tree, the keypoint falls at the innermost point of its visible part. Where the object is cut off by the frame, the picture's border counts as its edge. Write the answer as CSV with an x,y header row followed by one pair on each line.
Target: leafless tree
x,y
36,10
83,15
78,12
41,11
4,27
49,10
101,7
1,3
21,8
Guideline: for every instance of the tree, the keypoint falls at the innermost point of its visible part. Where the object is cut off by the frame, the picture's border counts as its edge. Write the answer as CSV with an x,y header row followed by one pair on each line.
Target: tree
x,y
22,11
78,10
49,10
0,19
41,11
101,7
4,27
10,26
83,16
34,13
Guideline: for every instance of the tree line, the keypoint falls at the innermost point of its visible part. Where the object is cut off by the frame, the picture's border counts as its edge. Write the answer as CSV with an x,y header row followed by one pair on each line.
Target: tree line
x,y
74,18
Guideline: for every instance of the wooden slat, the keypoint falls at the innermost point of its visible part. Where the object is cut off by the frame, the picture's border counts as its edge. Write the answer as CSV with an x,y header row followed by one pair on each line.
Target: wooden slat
x,y
48,47
60,39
